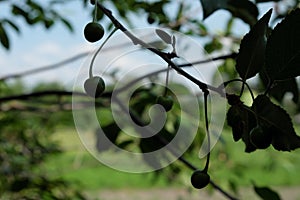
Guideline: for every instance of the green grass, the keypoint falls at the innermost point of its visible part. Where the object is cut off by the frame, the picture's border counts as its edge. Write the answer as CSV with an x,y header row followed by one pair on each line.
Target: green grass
x,y
263,167
77,165
229,162
91,174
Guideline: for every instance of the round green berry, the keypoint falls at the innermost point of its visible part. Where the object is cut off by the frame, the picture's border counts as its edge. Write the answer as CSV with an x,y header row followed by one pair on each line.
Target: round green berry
x,y
94,86
259,138
166,102
93,32
200,179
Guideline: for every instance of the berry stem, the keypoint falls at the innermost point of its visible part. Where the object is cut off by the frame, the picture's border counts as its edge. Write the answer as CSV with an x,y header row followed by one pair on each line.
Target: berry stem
x,y
167,80
206,93
243,85
95,11
97,52
242,89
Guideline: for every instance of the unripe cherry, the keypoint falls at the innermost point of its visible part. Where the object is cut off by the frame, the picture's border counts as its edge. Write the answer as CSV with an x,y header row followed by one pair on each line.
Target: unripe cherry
x,y
93,32
200,179
94,86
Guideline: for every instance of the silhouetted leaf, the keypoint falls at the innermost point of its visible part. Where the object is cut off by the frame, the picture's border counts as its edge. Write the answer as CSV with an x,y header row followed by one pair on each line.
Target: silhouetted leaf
x,y
242,121
280,88
3,37
266,193
107,136
243,9
276,121
173,42
164,36
210,6
251,55
283,48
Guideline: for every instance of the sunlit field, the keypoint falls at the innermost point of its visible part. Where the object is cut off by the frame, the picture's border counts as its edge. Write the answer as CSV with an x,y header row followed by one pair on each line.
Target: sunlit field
x,y
229,165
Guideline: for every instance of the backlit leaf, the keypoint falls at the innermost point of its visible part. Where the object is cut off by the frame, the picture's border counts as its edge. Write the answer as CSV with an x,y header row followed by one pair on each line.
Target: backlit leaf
x,y
283,48
251,55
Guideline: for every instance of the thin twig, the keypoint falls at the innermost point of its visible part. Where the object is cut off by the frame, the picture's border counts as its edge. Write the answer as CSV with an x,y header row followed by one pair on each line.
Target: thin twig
x,y
223,57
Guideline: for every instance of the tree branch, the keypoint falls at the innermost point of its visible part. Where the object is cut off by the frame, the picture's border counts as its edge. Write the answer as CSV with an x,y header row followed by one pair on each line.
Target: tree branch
x,y
61,63
51,108
164,56
41,94
47,67
223,57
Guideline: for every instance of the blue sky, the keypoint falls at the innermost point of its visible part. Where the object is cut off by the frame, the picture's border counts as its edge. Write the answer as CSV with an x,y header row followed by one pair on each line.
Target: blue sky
x,y
36,47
